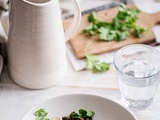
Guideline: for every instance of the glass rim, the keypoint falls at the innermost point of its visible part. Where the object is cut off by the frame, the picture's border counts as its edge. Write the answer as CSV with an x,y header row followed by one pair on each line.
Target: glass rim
x,y
132,45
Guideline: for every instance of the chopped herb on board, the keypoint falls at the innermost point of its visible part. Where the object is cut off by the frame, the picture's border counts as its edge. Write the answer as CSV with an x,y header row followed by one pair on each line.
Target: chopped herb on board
x,y
119,29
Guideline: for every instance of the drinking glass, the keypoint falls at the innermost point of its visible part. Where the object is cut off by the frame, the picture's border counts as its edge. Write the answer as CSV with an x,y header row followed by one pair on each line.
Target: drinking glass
x,y
138,73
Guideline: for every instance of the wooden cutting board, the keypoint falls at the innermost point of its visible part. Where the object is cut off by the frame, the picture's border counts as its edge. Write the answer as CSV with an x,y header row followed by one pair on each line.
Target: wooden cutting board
x,y
94,46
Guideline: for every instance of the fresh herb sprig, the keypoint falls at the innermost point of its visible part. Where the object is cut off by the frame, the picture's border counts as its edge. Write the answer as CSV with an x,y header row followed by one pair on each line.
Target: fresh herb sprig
x,y
94,64
81,114
41,114
119,29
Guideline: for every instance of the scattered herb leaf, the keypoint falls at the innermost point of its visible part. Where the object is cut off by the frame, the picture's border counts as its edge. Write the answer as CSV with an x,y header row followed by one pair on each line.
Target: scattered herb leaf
x,y
94,64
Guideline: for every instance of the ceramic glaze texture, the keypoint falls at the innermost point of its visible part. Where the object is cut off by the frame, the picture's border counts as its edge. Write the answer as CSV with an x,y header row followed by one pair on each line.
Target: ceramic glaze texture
x,y
36,43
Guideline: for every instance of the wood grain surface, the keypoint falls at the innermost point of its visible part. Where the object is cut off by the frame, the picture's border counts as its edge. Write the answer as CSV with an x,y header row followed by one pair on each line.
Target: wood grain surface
x,y
94,46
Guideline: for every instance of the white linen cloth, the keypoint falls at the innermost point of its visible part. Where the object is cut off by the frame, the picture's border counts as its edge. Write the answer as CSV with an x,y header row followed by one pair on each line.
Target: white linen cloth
x,y
3,20
3,30
148,6
4,4
80,64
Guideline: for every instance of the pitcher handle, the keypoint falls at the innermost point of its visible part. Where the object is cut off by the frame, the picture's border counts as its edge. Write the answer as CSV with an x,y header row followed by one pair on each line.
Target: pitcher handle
x,y
76,21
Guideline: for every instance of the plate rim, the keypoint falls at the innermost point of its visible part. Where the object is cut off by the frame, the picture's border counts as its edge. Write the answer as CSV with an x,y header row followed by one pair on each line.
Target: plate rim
x,y
78,94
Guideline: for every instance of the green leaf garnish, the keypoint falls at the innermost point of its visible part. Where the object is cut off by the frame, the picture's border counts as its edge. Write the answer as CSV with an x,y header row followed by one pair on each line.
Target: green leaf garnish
x,y
41,114
75,115
86,113
83,113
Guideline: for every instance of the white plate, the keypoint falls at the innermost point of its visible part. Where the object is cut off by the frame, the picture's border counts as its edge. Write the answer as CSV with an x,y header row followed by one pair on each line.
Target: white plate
x,y
105,109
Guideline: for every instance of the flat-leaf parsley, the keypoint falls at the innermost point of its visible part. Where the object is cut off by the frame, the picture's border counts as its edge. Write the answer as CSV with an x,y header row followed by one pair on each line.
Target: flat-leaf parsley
x,y
119,29
41,114
94,64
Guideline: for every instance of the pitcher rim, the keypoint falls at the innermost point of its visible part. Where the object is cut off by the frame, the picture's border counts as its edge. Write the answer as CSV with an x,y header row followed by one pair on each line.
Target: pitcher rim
x,y
37,4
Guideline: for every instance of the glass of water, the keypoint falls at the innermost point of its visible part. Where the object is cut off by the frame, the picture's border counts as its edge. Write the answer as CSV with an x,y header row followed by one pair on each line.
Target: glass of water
x,y
138,74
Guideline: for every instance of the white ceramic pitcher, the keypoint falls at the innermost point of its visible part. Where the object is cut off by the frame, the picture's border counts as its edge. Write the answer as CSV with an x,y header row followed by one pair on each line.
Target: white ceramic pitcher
x,y
36,42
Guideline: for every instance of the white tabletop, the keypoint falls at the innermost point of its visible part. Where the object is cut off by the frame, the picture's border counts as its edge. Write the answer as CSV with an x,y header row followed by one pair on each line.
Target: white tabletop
x,y
15,101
